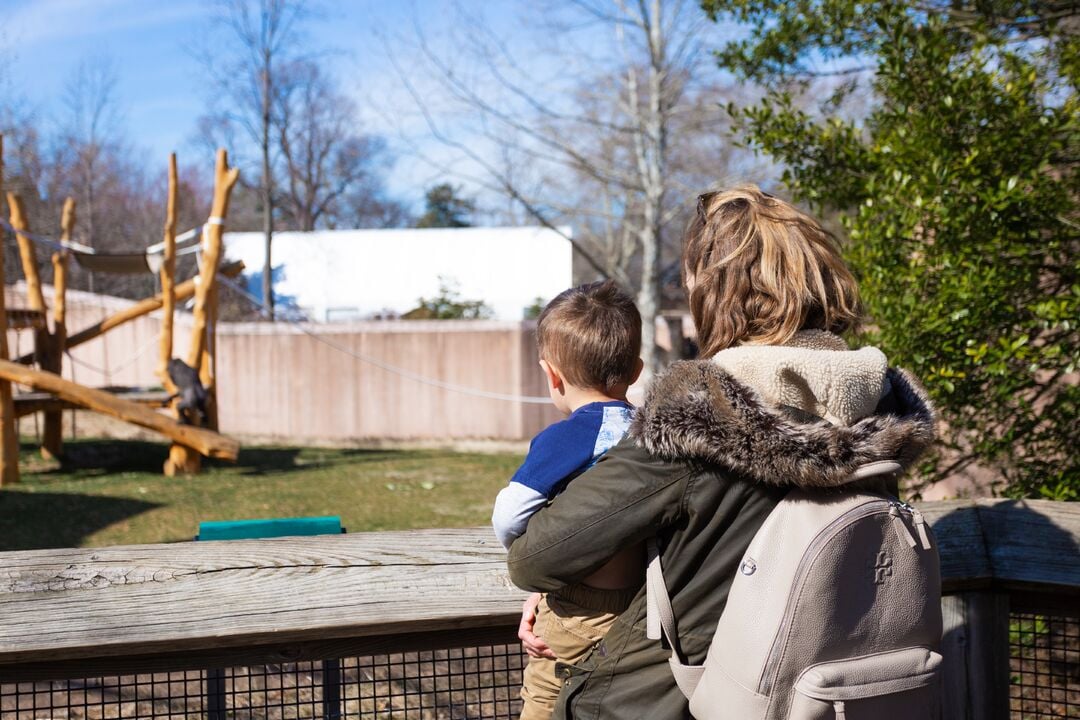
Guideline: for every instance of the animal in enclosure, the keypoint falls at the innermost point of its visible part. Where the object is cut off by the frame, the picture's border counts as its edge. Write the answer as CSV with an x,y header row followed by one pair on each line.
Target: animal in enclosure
x,y
191,409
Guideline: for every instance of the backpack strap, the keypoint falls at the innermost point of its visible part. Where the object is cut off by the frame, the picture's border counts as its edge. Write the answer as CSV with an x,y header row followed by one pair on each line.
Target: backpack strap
x,y
659,618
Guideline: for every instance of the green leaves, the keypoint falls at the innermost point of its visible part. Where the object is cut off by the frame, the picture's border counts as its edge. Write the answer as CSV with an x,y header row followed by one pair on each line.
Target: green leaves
x,y
956,187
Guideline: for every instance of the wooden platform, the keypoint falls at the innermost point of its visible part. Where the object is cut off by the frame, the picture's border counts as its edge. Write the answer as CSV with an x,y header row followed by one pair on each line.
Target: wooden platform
x,y
23,319
205,442
31,402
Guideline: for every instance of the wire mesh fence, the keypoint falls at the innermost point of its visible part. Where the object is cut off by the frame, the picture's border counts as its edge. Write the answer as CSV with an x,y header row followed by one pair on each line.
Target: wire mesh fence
x,y
473,683
1044,666
477,683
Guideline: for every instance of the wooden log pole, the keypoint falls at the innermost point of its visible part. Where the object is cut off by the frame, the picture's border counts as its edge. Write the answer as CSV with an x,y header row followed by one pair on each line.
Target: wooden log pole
x,y
168,282
224,181
144,307
9,440
208,371
52,443
28,254
182,460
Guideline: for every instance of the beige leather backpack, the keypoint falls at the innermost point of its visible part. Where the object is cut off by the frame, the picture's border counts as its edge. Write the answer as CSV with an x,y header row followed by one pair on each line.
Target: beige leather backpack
x,y
835,614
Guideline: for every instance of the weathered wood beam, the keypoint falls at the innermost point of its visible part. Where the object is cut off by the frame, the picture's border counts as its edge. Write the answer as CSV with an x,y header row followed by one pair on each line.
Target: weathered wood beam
x,y
113,601
9,440
203,441
206,597
184,291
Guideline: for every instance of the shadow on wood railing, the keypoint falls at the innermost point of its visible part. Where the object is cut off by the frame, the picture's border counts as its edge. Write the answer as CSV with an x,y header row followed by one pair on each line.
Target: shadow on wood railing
x,y
85,613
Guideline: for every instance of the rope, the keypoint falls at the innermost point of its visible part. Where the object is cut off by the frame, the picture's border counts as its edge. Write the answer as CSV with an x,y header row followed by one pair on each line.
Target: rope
x,y
402,372
107,372
186,242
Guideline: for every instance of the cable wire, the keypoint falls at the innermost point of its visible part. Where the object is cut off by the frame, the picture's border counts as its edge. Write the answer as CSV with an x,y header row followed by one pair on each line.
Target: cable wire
x,y
187,242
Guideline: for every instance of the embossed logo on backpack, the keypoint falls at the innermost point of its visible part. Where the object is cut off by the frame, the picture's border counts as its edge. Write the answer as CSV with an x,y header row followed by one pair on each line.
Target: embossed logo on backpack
x,y
879,568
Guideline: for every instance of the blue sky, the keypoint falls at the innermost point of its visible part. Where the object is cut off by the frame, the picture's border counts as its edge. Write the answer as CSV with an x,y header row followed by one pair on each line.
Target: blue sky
x,y
160,89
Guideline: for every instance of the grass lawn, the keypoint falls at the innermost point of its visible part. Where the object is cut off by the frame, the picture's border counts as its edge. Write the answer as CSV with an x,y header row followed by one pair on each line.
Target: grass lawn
x,y
113,493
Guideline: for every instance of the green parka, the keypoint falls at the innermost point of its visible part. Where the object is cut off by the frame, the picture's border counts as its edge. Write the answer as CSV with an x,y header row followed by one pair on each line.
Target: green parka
x,y
707,460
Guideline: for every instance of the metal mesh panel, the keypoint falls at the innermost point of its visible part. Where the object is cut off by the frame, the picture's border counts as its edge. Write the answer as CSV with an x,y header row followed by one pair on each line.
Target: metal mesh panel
x,y
177,694
1044,666
478,683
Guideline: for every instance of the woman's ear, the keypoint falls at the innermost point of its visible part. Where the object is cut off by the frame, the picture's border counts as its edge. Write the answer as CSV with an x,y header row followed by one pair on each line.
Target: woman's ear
x,y
637,371
554,377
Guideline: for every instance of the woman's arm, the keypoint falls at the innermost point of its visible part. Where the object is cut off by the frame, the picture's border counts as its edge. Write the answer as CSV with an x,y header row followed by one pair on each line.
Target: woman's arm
x,y
625,498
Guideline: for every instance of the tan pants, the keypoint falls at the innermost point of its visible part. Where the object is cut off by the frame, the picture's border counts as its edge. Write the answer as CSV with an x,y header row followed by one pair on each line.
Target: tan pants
x,y
567,622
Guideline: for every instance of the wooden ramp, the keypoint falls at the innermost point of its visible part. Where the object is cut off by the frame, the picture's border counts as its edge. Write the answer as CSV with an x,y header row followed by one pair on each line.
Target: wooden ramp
x,y
29,403
205,442
24,318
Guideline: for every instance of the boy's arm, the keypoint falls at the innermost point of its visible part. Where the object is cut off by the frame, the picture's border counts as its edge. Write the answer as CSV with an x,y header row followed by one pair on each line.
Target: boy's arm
x,y
625,498
555,455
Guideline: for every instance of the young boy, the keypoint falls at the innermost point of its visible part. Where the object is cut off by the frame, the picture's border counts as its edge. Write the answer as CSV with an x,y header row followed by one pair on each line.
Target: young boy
x,y
589,338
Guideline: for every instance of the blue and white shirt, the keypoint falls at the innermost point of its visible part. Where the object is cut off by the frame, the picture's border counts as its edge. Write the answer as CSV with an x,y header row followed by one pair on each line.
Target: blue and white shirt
x,y
556,456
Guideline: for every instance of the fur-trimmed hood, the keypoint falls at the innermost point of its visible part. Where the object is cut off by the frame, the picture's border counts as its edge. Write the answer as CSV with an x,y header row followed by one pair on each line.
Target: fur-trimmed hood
x,y
699,412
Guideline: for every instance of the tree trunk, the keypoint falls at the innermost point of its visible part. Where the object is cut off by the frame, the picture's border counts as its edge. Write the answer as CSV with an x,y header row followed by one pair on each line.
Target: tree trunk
x,y
268,189
651,147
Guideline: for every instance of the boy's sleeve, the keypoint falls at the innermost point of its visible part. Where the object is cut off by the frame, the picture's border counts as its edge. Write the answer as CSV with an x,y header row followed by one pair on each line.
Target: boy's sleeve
x,y
514,505
555,456
626,497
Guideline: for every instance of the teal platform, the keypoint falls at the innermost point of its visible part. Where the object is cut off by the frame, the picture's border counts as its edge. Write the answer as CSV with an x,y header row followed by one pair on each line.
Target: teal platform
x,y
269,527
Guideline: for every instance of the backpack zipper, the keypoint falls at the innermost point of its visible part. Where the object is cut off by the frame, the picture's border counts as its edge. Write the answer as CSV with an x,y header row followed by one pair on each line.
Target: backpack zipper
x,y
870,507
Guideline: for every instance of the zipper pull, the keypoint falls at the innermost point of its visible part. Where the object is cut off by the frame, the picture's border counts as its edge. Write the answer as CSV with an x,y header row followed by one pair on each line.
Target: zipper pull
x,y
901,527
920,527
838,708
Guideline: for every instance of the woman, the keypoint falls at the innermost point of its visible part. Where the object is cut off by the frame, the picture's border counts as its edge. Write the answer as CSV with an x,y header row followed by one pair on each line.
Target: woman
x,y
777,401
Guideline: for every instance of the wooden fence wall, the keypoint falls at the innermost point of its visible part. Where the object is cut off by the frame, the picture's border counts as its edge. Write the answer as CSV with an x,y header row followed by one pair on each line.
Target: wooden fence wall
x,y
277,382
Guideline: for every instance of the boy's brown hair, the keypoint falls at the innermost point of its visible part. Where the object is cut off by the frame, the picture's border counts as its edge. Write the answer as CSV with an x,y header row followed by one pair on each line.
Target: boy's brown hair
x,y
592,334
758,270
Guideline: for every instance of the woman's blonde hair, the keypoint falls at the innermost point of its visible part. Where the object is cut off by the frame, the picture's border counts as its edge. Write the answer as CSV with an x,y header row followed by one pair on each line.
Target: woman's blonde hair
x,y
758,270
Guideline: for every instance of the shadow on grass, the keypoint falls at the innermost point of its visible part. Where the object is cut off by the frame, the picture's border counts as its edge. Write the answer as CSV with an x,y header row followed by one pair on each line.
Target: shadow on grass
x,y
34,520
95,458
273,460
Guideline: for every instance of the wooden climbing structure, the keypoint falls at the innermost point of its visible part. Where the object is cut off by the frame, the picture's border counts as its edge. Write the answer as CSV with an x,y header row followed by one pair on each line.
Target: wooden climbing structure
x,y
159,410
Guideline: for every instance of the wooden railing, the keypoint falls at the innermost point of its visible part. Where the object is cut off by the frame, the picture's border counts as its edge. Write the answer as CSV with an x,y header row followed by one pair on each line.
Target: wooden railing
x,y
106,611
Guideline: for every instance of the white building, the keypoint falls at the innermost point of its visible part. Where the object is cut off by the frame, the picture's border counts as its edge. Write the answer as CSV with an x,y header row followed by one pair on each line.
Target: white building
x,y
338,275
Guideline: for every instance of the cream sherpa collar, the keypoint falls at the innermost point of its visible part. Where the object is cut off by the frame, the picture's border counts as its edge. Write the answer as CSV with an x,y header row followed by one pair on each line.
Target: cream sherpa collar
x,y
815,372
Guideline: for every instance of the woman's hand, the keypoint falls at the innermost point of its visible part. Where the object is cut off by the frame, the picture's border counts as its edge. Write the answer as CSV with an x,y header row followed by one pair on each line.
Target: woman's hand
x,y
534,644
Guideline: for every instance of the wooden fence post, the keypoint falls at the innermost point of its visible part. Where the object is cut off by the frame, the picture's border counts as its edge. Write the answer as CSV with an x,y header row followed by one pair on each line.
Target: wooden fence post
x,y
9,440
52,442
975,647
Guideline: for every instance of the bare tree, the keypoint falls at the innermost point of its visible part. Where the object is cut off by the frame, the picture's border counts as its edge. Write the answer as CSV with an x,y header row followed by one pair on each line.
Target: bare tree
x,y
264,35
592,147
328,166
89,135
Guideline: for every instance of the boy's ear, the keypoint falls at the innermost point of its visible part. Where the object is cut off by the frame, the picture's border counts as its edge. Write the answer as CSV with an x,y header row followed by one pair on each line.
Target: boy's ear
x,y
554,377
637,371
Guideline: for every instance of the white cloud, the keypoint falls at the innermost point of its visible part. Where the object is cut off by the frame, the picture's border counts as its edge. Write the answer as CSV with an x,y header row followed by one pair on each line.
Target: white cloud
x,y
42,21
